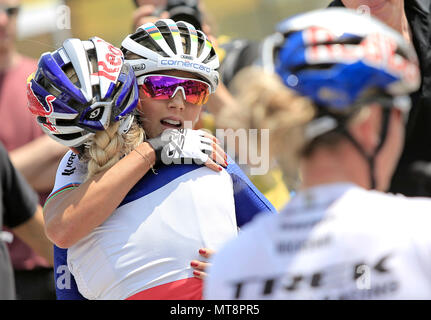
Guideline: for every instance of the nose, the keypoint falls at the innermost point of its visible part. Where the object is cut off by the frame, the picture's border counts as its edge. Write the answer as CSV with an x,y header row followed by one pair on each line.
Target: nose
x,y
177,101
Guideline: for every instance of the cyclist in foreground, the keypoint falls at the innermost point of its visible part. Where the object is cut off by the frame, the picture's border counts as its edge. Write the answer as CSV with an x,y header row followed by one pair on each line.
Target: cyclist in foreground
x,y
340,118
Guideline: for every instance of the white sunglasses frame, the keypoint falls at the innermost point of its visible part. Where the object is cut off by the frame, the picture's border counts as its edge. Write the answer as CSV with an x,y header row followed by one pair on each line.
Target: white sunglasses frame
x,y
140,81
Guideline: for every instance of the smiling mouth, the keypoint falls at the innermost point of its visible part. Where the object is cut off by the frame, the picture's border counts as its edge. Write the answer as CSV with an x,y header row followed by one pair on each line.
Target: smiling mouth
x,y
171,123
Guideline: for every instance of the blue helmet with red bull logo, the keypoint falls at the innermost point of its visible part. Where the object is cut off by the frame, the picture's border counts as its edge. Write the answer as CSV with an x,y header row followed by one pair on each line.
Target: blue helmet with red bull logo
x,y
80,89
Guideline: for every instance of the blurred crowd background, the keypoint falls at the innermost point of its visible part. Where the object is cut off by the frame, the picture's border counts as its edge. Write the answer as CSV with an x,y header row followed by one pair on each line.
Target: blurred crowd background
x,y
44,24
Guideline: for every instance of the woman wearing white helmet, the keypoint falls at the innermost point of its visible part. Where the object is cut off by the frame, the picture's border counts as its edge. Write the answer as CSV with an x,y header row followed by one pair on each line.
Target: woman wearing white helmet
x,y
132,232
338,113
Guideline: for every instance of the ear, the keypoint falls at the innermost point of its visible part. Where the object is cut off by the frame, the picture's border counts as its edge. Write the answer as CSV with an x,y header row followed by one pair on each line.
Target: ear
x,y
139,106
366,128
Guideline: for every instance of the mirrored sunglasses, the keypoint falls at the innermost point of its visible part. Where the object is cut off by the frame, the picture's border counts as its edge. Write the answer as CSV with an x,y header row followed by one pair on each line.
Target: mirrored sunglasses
x,y
163,87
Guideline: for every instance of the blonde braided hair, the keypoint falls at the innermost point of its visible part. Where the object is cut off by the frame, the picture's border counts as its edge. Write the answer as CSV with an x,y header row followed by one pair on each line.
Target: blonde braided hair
x,y
109,146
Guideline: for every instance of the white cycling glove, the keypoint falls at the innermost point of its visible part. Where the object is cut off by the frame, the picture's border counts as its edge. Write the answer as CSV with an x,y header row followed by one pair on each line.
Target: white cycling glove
x,y
181,146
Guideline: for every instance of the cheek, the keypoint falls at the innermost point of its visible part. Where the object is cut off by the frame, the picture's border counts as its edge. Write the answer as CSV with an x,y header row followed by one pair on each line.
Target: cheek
x,y
193,113
150,113
151,108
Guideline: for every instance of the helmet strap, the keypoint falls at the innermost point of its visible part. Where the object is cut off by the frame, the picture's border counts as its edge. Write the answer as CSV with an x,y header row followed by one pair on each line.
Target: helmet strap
x,y
370,158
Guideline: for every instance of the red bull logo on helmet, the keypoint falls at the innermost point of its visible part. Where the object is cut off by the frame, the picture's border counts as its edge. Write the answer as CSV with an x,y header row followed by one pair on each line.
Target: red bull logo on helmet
x,y
44,109
376,50
36,107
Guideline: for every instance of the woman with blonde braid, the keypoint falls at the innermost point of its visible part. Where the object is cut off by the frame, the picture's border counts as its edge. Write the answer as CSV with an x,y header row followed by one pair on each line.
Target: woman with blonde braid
x,y
135,225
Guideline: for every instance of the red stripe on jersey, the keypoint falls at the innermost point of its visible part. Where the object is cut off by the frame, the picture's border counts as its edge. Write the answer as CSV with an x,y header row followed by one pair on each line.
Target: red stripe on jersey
x,y
184,289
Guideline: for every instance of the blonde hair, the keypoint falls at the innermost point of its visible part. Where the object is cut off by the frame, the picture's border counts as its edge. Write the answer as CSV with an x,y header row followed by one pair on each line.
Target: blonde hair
x,y
264,102
109,146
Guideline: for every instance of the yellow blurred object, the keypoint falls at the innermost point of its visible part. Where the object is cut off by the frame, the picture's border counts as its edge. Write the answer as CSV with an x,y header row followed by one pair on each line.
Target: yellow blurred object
x,y
221,53
273,187
29,3
207,121
237,6
109,19
30,77
223,39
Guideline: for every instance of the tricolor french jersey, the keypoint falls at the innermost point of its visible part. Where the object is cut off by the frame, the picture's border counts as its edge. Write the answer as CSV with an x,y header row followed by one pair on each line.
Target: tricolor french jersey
x,y
335,241
144,249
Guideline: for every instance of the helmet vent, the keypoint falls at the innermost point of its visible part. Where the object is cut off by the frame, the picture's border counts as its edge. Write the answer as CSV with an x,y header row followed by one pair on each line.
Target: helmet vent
x,y
92,57
49,86
167,35
145,40
210,57
69,136
317,66
71,74
201,45
186,44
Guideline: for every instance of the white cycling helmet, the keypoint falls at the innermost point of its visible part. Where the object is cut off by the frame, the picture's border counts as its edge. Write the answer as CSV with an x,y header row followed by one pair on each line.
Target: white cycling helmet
x,y
170,45
80,89
334,56
343,61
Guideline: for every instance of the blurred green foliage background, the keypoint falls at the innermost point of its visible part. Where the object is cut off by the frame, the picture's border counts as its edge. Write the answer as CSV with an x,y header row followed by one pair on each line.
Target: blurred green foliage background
x,y
112,19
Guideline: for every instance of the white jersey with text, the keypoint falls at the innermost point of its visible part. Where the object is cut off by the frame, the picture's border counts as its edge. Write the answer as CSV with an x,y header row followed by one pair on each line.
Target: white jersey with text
x,y
335,241
144,249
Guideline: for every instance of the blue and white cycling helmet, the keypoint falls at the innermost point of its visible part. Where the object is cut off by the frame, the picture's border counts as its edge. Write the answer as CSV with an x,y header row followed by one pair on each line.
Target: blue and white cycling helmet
x,y
80,89
334,56
170,45
342,60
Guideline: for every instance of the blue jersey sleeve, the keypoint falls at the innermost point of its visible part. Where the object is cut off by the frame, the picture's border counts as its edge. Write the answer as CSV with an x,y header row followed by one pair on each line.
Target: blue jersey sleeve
x,y
249,201
65,285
